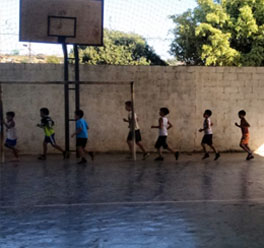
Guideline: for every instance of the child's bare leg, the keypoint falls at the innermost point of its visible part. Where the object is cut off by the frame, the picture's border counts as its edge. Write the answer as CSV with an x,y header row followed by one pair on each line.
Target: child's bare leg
x,y
213,148
248,149
245,148
176,153
206,154
15,152
141,147
80,151
204,148
90,153
170,149
160,152
130,145
58,147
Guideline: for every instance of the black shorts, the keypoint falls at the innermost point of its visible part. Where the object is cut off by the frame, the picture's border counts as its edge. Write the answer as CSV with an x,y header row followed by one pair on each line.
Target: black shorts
x,y
81,142
207,139
50,139
137,136
161,142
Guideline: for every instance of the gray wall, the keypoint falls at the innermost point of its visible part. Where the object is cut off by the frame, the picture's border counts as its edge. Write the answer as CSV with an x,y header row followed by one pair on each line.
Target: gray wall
x,y
186,91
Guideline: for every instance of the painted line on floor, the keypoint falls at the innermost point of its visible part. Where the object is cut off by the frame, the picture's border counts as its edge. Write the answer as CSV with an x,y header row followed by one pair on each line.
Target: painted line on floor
x,y
94,204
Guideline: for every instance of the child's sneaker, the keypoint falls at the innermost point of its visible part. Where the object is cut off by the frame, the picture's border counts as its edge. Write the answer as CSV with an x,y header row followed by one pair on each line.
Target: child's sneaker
x,y
206,155
159,158
176,155
145,155
42,157
217,155
250,156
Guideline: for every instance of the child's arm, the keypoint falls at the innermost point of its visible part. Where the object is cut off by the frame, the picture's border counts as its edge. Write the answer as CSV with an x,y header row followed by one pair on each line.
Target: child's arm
x,y
169,125
160,124
40,125
205,128
237,125
79,130
10,125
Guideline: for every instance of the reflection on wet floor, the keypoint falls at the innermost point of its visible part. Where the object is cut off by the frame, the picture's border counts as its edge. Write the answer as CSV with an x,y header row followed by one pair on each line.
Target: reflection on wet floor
x,y
114,202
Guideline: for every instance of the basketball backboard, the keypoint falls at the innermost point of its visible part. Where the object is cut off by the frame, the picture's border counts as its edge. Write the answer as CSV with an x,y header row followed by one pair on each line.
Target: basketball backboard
x,y
51,21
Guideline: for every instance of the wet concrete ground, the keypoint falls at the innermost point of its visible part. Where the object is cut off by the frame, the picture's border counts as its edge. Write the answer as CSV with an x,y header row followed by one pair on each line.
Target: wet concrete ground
x,y
116,203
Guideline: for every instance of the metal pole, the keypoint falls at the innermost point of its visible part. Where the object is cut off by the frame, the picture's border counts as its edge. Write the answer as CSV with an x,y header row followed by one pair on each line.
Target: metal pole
x,y
66,98
77,84
2,125
133,121
77,78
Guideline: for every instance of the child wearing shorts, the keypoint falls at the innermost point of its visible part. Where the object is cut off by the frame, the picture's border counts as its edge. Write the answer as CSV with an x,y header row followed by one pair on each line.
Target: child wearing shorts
x,y
11,137
81,134
244,125
208,135
164,126
128,107
47,124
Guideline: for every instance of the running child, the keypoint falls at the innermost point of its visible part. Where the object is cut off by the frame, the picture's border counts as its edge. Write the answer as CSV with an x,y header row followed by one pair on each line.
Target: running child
x,y
164,126
81,134
11,137
128,106
47,124
244,125
208,135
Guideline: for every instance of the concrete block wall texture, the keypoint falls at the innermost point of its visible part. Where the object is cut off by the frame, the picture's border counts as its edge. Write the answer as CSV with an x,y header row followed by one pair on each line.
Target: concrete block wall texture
x,y
186,91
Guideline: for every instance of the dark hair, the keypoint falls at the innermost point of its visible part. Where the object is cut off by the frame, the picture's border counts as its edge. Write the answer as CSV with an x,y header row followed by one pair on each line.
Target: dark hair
x,y
242,112
128,103
165,111
11,114
208,112
45,111
79,113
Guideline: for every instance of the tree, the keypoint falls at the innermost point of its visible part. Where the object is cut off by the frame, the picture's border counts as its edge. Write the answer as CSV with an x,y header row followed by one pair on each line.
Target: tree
x,y
121,49
221,33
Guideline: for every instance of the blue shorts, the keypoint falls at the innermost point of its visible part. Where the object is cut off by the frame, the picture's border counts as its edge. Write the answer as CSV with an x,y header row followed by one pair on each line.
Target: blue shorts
x,y
10,143
50,139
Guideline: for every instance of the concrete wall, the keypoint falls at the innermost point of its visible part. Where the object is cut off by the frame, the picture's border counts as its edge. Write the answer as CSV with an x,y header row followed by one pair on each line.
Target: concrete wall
x,y
186,91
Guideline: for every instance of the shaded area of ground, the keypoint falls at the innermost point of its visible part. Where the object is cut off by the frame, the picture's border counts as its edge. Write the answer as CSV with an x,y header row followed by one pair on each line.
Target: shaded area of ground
x,y
113,202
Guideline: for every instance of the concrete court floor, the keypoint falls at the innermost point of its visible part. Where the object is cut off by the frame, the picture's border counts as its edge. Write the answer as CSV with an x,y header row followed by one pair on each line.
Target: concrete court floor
x,y
116,203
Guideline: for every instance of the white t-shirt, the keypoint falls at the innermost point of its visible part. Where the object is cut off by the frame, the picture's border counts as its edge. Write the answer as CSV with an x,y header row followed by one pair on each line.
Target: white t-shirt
x,y
164,130
209,129
11,132
130,121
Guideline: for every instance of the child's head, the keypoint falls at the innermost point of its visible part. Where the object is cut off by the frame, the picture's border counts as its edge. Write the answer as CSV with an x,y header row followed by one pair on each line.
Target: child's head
x,y
44,112
10,115
241,114
207,113
164,111
128,105
78,114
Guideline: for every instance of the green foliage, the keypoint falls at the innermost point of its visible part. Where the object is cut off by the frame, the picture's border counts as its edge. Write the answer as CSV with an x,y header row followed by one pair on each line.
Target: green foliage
x,y
121,49
53,60
220,33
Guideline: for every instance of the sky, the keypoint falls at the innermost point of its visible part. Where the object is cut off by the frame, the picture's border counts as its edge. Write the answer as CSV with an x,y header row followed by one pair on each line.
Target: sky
x,y
148,18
